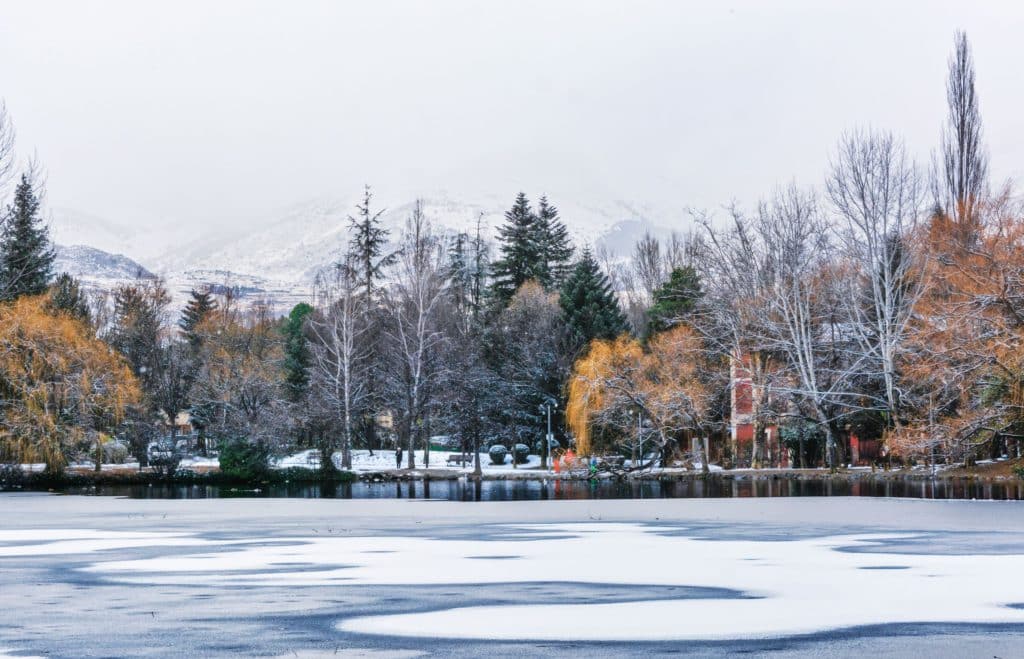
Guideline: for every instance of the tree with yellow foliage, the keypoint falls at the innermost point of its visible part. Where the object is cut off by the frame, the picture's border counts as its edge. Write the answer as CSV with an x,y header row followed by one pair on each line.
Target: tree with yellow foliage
x,y
668,383
60,387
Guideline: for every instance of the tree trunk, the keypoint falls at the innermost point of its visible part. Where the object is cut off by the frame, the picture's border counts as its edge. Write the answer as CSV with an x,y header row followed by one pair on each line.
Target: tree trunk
x,y
411,439
477,469
757,446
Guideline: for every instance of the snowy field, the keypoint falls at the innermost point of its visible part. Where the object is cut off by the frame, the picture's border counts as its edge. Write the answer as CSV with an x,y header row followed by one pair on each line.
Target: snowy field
x,y
363,461
796,577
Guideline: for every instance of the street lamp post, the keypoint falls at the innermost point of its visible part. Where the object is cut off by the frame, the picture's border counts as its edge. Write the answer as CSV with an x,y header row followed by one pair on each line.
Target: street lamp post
x,y
547,438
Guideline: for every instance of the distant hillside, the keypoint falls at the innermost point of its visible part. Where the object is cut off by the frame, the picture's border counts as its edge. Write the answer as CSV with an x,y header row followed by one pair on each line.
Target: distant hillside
x,y
94,265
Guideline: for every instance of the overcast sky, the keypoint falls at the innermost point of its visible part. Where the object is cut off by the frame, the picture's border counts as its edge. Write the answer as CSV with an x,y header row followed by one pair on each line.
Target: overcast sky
x,y
204,113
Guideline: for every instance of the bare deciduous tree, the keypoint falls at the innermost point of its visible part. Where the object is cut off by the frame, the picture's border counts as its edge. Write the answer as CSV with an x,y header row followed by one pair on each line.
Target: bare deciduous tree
x,y
339,353
876,190
414,332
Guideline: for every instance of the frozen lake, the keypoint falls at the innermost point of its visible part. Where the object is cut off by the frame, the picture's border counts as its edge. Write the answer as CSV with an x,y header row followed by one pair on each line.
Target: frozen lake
x,y
794,577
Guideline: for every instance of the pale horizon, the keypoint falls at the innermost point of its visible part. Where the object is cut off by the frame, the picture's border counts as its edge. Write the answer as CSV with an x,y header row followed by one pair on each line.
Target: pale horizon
x,y
206,119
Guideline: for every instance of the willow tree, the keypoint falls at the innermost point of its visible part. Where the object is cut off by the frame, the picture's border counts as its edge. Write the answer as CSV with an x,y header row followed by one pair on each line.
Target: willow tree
x,y
667,383
61,388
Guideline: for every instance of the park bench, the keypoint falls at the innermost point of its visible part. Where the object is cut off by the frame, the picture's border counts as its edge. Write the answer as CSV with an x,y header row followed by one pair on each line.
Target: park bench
x,y
460,459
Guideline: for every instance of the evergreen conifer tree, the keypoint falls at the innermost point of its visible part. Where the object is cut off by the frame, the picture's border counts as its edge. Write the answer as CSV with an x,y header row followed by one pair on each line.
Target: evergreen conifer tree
x,y
296,352
368,253
368,243
589,305
66,296
26,255
553,245
199,306
674,299
519,251
459,273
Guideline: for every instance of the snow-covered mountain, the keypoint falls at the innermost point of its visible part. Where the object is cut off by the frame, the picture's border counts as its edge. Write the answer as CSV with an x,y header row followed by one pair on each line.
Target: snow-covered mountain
x,y
82,261
277,257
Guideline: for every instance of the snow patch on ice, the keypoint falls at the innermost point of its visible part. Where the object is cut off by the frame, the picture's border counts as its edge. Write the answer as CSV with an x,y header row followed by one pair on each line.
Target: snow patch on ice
x,y
47,542
788,587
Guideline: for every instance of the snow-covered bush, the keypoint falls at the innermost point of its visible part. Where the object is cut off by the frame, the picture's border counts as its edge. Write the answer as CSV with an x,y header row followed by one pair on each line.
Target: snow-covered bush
x,y
498,454
520,453
115,452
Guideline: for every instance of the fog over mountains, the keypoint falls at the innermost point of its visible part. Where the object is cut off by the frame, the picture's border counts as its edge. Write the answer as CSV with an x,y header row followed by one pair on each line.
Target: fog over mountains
x,y
277,257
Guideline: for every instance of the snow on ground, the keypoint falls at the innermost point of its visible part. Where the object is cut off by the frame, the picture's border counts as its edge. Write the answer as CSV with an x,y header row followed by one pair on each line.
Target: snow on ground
x,y
783,587
198,461
384,460
43,542
362,461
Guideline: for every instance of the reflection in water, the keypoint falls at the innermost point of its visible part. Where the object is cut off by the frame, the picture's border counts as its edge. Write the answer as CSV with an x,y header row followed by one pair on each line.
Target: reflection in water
x,y
558,489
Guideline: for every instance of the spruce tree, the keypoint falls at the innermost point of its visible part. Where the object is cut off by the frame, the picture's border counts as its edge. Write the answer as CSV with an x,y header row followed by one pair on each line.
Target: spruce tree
x,y
589,305
553,245
26,255
66,296
199,306
519,251
675,299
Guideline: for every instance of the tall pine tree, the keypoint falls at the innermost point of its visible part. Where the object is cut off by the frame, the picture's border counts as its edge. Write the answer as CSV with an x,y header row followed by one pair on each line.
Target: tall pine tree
x,y
368,246
198,308
554,247
519,251
26,255
589,305
369,257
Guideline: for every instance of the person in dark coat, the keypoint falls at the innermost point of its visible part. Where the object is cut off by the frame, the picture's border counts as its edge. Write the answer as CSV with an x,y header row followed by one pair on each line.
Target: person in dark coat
x,y
398,458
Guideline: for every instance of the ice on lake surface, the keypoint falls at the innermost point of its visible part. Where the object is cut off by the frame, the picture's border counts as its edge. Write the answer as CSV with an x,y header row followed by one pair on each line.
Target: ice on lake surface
x,y
269,577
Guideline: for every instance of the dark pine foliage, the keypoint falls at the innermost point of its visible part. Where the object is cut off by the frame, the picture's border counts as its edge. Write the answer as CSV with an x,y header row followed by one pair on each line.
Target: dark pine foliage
x,y
66,296
368,245
554,246
199,306
26,255
589,305
675,299
296,351
519,251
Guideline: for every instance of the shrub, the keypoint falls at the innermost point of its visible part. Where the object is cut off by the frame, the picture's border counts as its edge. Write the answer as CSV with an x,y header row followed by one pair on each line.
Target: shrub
x,y
497,454
185,475
246,461
1019,471
11,477
520,452
114,452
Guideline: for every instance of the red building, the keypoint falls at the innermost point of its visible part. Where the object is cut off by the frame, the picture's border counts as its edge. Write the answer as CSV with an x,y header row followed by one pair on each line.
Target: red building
x,y
744,395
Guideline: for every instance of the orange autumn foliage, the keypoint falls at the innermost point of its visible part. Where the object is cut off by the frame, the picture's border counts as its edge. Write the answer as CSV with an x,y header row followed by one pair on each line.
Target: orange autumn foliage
x,y
967,349
666,382
59,385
